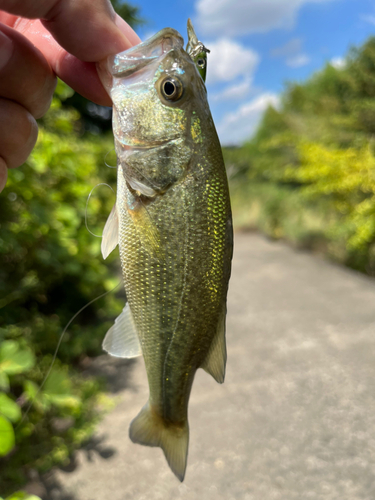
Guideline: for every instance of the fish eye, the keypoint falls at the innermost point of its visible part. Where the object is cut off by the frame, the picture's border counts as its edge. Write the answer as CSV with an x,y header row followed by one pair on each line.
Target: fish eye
x,y
171,89
201,62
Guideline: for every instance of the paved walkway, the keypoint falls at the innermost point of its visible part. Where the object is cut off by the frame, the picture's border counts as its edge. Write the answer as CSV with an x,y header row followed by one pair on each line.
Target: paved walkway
x,y
295,418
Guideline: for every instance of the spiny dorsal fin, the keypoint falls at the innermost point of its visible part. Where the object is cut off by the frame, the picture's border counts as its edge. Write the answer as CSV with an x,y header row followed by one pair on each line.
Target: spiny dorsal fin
x,y
197,51
110,233
216,358
192,37
121,339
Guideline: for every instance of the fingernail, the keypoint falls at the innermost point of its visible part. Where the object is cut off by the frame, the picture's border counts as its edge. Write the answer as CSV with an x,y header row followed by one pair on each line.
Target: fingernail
x,y
6,50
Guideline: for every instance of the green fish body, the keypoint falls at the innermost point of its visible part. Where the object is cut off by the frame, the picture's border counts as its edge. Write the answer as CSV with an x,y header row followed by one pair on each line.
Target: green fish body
x,y
172,221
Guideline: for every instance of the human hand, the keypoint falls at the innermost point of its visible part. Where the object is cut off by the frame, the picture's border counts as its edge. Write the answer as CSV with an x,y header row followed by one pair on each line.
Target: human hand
x,y
39,40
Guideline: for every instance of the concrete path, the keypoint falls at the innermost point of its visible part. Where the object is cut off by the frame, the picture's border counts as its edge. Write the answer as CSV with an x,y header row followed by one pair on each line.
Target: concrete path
x,y
295,418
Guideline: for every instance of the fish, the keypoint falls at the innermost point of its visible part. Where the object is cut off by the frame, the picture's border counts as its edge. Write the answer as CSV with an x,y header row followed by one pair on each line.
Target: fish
x,y
172,222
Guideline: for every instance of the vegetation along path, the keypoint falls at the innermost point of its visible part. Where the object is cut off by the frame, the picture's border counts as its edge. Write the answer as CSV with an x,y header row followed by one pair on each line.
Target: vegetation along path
x,y
295,418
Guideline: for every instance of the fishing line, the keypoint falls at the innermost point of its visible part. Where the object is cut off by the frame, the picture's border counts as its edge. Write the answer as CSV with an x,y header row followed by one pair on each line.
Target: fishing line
x,y
57,349
109,166
87,202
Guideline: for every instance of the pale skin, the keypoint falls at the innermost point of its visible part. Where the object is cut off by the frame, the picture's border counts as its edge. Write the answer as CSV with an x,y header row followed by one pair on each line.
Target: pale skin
x,y
40,40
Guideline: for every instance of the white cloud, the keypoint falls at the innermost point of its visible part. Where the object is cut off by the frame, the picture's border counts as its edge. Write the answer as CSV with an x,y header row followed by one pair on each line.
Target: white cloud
x,y
291,48
338,62
368,18
229,60
298,61
238,126
239,17
292,52
234,92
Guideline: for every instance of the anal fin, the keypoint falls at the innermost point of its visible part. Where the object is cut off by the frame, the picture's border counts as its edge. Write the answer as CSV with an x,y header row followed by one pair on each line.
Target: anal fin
x,y
216,358
121,339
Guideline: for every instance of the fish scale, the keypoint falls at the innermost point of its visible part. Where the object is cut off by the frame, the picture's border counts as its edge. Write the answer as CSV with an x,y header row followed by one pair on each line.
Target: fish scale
x,y
172,221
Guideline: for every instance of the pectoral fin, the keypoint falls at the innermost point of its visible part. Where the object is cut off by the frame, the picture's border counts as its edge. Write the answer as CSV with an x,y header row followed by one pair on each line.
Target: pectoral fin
x,y
141,187
110,233
121,339
216,358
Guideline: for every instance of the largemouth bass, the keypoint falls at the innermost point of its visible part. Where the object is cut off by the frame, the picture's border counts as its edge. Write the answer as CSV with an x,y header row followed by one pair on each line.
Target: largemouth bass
x,y
172,221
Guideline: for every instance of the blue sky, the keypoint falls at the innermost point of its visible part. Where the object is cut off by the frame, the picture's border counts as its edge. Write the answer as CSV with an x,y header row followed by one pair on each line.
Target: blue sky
x,y
258,45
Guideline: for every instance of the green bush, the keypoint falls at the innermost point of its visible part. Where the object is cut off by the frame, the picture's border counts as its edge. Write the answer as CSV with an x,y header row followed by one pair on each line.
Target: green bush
x,y
51,267
21,495
308,175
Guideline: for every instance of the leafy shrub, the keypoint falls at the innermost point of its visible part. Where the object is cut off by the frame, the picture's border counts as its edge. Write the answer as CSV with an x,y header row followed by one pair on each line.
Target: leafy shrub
x,y
21,495
51,267
308,175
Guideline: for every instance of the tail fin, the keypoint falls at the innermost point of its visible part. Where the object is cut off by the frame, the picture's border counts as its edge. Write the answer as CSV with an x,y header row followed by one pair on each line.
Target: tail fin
x,y
149,429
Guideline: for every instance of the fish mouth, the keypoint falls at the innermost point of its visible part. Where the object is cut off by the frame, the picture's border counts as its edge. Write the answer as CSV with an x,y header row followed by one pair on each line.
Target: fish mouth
x,y
132,60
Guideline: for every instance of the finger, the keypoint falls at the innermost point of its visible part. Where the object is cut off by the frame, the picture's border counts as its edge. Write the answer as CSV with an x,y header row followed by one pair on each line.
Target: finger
x,y
3,174
18,133
6,18
25,75
81,76
128,31
85,28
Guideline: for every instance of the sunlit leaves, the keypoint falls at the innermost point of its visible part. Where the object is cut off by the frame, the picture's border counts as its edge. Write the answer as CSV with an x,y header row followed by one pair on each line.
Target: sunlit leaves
x,y
347,177
22,495
9,408
308,174
4,381
7,438
58,390
13,359
51,267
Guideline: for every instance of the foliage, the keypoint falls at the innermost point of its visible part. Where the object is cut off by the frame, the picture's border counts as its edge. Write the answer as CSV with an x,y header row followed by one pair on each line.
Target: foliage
x,y
308,175
13,360
51,268
21,495
128,12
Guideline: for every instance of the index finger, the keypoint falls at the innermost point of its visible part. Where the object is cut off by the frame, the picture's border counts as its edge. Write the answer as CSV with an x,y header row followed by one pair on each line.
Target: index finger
x,y
86,29
98,33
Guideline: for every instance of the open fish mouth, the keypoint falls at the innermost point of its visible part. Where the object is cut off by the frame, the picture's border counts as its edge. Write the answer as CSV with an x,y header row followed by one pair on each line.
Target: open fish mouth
x,y
132,60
